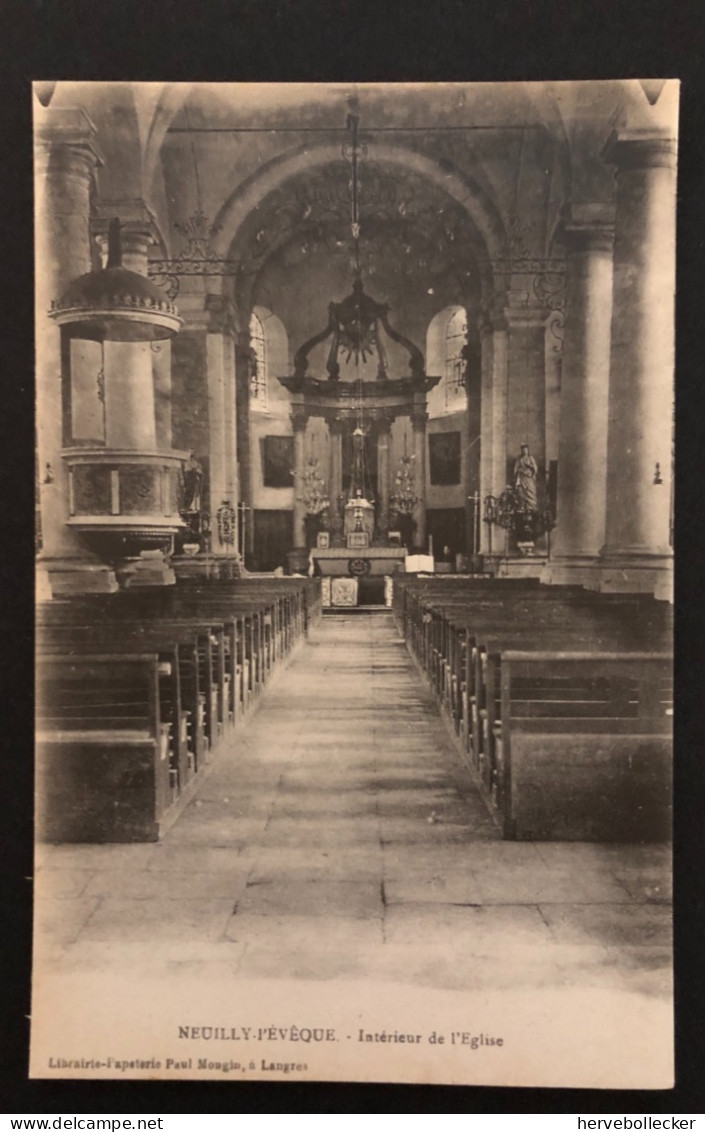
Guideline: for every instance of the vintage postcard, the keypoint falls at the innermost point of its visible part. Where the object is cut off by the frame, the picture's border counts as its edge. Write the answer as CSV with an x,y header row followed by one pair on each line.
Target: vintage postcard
x,y
354,536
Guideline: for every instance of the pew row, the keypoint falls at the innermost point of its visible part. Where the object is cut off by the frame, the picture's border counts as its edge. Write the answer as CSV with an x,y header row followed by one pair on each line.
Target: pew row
x,y
103,770
575,719
579,745
212,648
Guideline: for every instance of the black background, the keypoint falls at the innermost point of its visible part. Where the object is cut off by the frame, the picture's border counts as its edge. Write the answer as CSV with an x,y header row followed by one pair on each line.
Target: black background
x,y
340,40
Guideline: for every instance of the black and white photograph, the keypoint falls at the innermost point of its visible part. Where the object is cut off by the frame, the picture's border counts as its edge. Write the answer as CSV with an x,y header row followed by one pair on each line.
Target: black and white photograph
x,y
354,581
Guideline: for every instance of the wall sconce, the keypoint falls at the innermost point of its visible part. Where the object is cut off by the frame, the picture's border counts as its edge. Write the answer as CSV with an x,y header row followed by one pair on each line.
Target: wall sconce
x,y
657,474
48,474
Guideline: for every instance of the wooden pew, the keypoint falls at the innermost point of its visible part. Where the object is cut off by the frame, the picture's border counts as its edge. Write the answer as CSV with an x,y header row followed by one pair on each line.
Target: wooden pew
x,y
201,661
183,696
102,748
455,633
582,745
215,645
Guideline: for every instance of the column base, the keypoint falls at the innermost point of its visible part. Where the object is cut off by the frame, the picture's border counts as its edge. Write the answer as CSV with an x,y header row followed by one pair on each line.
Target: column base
x,y
67,577
574,570
637,571
297,560
207,566
516,566
150,569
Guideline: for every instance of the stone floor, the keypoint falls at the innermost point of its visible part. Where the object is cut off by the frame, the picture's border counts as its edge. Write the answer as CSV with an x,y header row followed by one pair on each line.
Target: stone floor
x,y
341,838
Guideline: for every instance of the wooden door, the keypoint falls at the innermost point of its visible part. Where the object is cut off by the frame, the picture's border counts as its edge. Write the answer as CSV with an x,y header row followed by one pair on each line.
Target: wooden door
x,y
273,538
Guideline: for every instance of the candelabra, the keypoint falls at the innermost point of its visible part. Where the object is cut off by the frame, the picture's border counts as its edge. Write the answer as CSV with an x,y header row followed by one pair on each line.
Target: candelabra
x,y
314,494
404,498
509,511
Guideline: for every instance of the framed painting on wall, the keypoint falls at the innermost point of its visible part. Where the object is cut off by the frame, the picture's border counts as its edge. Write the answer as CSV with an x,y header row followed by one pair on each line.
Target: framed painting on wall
x,y
278,461
444,458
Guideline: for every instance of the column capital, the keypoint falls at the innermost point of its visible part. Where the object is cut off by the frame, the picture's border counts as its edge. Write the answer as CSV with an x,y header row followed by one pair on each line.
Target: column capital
x,y
221,317
630,149
135,215
193,312
583,237
525,316
299,417
139,228
492,315
66,135
491,321
139,231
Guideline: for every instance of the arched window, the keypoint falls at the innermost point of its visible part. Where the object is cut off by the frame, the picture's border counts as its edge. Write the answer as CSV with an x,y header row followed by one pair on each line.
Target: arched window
x,y
445,343
454,376
258,373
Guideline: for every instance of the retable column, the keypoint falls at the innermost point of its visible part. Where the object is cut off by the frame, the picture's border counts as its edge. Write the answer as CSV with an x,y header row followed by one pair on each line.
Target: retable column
x,y
298,421
419,418
582,447
636,554
335,429
383,442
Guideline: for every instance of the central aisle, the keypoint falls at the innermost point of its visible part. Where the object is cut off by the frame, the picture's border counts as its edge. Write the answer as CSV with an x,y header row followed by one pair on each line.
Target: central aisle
x,y
341,837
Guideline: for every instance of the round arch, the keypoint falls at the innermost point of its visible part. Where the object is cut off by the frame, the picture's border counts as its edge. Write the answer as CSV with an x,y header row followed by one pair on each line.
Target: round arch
x,y
467,193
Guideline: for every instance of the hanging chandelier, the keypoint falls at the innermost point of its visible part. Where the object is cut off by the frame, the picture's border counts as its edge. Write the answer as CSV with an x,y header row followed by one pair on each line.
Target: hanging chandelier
x,y
358,326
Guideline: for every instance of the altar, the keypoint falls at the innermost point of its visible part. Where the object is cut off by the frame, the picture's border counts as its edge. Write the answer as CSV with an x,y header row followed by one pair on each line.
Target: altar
x,y
355,577
360,505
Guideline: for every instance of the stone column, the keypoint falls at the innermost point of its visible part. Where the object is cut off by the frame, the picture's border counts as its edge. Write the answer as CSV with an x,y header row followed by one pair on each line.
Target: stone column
x,y
243,448
554,378
418,425
582,449
636,554
299,418
493,419
129,396
525,420
221,410
216,432
231,477
526,386
161,373
499,377
138,234
66,158
383,443
335,431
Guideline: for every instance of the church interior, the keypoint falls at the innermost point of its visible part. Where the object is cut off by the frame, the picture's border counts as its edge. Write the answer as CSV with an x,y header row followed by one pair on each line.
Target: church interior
x,y
354,531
